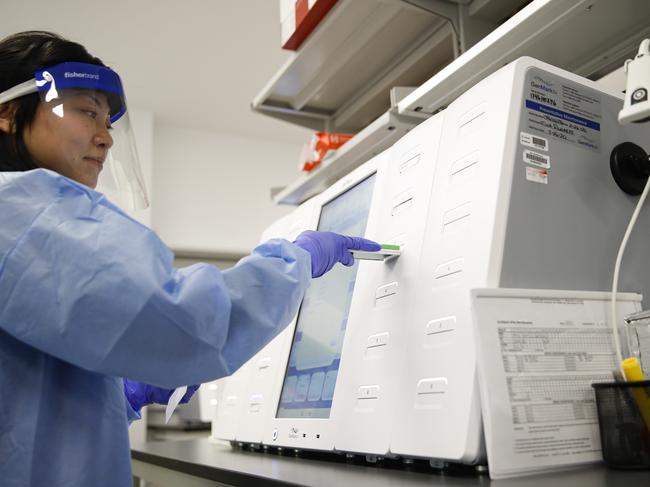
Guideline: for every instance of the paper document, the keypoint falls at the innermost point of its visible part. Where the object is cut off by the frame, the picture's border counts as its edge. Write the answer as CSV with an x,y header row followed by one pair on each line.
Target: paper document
x,y
174,400
539,351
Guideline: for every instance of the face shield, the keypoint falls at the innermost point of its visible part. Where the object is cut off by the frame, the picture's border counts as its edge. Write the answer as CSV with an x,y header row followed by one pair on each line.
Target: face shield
x,y
70,89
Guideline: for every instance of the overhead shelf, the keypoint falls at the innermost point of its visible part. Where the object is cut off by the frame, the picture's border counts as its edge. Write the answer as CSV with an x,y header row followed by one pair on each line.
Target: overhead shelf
x,y
375,138
586,37
340,79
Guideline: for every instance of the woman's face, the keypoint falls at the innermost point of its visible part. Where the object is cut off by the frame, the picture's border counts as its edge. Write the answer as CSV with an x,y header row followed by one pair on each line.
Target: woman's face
x,y
75,144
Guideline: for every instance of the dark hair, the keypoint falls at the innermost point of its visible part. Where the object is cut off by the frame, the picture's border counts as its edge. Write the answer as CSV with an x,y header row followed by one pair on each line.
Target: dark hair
x,y
20,56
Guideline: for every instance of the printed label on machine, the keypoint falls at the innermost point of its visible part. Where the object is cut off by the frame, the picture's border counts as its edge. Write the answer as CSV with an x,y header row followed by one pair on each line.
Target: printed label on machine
x,y
537,175
565,111
537,159
533,141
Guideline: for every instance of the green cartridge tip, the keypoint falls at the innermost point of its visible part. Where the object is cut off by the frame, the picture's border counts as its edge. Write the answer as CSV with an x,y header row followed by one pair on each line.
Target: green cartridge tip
x,y
389,247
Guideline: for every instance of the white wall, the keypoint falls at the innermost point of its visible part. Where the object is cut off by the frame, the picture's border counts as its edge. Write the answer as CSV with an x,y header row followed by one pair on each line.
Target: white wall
x,y
211,192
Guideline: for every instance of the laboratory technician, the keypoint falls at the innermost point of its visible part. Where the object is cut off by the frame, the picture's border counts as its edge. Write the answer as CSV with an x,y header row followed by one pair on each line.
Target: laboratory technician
x,y
94,320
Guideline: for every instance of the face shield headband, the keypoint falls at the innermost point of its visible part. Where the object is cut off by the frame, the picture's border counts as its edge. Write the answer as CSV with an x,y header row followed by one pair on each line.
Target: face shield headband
x,y
121,177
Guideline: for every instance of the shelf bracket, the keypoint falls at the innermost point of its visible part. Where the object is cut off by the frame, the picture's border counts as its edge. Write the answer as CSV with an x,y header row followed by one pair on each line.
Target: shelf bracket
x,y
466,29
398,93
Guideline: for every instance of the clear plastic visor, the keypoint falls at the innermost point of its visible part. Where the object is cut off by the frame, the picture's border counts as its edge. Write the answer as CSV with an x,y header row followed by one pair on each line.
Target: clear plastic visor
x,y
122,177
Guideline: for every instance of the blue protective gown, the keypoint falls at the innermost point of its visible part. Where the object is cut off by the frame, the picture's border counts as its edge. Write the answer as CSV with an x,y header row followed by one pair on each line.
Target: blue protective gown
x,y
87,296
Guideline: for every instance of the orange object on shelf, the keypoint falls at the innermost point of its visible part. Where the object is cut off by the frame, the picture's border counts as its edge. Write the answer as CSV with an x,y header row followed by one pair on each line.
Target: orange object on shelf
x,y
305,16
321,144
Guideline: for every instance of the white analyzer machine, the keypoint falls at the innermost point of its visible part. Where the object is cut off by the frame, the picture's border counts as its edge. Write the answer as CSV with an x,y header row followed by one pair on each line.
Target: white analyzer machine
x,y
510,186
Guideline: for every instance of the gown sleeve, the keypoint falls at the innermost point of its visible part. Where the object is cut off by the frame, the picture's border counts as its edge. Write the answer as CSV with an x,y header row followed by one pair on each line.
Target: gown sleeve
x,y
82,281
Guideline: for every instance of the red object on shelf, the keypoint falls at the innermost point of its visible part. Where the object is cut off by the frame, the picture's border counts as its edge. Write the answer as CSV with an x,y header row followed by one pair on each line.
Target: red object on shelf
x,y
302,9
320,145
306,20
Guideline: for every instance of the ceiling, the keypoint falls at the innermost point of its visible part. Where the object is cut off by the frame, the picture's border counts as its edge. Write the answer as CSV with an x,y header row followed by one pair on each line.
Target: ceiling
x,y
193,63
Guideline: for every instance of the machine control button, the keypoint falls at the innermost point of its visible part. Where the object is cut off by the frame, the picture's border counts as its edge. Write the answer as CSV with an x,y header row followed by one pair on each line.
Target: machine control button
x,y
386,290
402,201
255,399
440,325
368,392
378,340
400,207
409,163
465,163
433,385
448,268
472,119
458,213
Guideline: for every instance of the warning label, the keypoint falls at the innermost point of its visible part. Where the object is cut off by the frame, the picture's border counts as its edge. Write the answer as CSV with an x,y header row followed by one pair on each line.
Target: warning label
x,y
537,175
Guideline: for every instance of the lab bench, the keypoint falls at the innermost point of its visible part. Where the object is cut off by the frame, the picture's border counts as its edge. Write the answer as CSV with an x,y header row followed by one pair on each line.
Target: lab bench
x,y
200,462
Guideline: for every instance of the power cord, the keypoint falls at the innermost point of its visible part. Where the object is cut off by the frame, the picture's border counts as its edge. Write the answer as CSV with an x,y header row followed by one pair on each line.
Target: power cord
x,y
617,268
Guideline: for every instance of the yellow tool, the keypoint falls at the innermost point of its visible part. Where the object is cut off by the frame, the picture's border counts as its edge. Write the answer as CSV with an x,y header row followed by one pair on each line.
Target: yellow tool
x,y
633,373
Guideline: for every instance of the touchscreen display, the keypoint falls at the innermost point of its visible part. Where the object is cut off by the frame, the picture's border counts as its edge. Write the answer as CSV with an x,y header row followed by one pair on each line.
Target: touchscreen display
x,y
315,354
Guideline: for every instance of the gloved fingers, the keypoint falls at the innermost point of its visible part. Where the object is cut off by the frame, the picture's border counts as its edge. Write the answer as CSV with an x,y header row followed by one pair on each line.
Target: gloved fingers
x,y
328,248
158,395
369,245
358,243
190,392
347,259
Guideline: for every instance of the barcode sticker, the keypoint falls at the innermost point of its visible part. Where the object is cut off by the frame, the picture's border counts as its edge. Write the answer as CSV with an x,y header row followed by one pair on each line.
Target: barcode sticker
x,y
533,141
537,159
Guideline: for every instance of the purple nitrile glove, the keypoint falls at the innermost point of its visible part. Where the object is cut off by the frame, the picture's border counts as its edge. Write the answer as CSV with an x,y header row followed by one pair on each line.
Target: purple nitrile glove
x,y
140,394
328,248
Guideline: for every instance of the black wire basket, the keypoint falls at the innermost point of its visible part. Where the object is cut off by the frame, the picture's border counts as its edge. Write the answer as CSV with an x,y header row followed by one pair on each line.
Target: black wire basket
x,y
624,419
